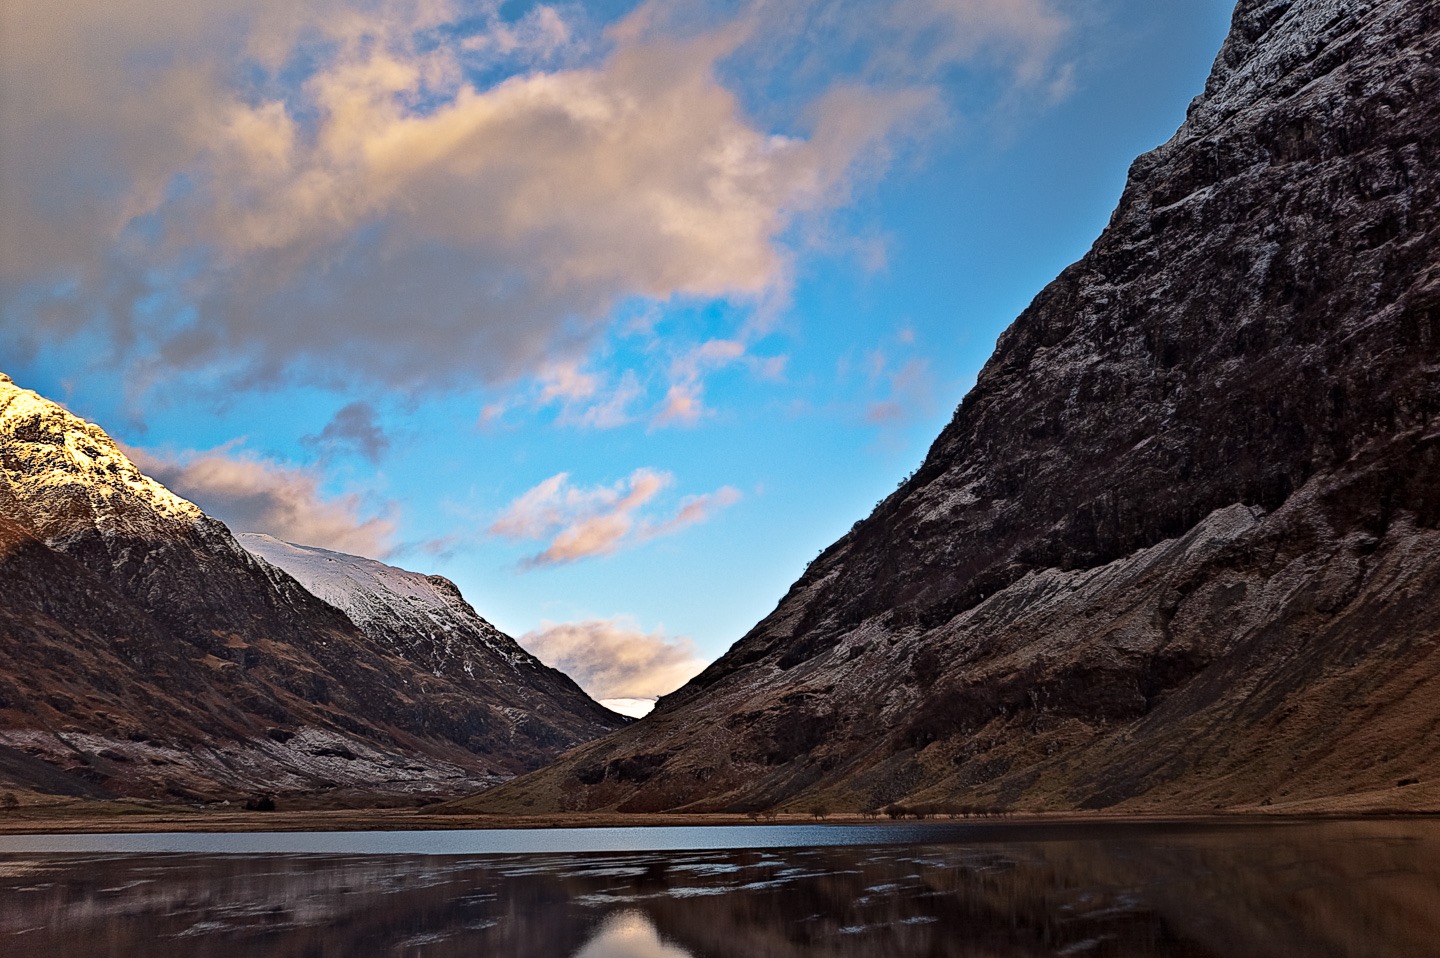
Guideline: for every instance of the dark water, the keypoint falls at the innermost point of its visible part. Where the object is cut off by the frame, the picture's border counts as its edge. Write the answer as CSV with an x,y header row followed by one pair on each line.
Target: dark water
x,y
1292,890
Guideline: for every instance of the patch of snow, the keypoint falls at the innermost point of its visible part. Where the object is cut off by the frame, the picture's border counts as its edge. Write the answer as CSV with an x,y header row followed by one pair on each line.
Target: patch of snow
x,y
394,604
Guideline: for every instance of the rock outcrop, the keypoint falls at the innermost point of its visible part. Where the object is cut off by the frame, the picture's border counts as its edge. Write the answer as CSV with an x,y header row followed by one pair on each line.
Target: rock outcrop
x,y
1180,545
144,652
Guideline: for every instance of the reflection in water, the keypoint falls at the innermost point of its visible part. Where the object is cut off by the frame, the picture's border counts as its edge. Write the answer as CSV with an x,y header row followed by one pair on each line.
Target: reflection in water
x,y
629,934
1347,890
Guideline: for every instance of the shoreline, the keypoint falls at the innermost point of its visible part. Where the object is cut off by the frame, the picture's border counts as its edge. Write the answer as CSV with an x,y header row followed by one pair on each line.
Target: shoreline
x,y
184,820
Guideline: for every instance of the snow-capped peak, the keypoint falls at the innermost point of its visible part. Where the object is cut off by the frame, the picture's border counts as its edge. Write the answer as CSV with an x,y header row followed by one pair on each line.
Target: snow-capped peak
x,y
52,461
420,616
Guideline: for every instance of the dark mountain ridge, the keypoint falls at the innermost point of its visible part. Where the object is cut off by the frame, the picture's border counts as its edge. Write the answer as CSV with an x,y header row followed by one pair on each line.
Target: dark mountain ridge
x,y
144,651
1178,547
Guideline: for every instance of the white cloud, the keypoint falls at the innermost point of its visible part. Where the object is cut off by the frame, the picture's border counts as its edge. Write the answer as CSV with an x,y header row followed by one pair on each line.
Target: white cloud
x,y
250,494
581,523
613,659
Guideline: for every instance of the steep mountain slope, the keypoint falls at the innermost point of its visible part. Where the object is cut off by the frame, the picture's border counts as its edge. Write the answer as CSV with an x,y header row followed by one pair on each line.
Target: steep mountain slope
x,y
425,620
144,651
1178,547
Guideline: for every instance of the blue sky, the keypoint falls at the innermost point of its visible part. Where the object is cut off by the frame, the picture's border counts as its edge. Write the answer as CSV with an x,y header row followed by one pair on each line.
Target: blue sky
x,y
616,314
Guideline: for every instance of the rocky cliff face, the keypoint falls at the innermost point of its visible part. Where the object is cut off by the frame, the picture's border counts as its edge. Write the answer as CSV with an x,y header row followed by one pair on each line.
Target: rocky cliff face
x,y
1179,545
143,651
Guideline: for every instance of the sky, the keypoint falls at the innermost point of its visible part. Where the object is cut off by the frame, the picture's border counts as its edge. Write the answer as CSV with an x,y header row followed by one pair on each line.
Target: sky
x,y
614,313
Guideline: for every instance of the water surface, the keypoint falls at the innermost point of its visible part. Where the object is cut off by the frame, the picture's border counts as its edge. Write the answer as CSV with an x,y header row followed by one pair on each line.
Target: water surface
x,y
1290,891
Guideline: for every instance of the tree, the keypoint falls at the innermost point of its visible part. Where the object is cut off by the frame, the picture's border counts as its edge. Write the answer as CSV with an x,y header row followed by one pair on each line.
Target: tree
x,y
9,802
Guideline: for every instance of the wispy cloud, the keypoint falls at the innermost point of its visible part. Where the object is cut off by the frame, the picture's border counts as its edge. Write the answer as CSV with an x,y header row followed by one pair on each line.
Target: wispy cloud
x,y
909,391
588,400
684,404
935,34
252,494
581,522
614,659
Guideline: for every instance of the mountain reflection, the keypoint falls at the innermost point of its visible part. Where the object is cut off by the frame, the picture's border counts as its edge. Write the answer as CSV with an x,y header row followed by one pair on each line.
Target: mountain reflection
x,y
1348,890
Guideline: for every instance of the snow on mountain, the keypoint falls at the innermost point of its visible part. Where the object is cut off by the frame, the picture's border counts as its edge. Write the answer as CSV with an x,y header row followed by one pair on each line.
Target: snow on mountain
x,y
68,470
144,651
423,617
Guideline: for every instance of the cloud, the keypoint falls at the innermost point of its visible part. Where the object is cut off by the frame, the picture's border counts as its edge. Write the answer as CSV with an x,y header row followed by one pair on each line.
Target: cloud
x,y
684,403
611,411
566,382
581,523
694,510
905,386
354,428
391,213
911,391
251,494
613,659
934,34
425,192
588,400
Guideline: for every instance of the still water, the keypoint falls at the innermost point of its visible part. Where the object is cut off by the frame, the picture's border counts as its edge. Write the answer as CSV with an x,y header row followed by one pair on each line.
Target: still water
x,y
1252,891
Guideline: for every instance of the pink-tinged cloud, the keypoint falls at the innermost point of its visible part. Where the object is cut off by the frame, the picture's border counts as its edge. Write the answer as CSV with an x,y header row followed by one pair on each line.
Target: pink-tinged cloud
x,y
910,388
251,494
612,409
684,403
581,523
588,400
880,413
693,510
566,382
613,659
682,406
384,215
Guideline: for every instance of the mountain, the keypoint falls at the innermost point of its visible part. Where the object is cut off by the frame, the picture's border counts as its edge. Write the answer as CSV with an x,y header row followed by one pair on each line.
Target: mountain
x,y
144,652
426,621
1178,547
